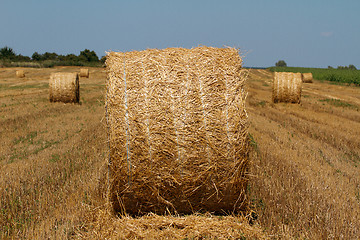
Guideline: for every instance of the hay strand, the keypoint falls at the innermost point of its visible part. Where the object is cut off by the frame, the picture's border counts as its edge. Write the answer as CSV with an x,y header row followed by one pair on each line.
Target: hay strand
x,y
20,73
287,87
84,72
64,87
177,130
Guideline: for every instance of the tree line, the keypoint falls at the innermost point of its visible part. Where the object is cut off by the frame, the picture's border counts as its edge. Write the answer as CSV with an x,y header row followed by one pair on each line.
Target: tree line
x,y
85,58
282,63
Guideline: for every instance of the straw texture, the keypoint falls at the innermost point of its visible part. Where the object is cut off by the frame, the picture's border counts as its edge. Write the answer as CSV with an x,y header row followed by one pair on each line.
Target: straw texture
x,y
84,72
177,129
307,77
20,74
287,87
64,87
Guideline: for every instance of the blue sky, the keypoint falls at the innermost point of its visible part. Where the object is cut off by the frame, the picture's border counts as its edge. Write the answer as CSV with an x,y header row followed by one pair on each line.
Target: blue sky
x,y
306,33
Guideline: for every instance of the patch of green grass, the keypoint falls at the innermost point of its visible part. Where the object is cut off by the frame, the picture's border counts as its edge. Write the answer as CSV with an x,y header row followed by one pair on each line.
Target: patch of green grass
x,y
54,158
261,103
252,142
325,158
357,195
45,145
28,138
339,103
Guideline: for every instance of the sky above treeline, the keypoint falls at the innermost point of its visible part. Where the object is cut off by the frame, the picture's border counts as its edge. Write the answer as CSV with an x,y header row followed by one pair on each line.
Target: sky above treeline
x,y
307,33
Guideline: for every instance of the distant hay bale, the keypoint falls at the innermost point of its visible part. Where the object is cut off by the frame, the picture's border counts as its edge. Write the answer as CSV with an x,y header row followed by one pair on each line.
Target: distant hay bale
x,y
177,128
64,87
20,74
84,72
287,87
307,77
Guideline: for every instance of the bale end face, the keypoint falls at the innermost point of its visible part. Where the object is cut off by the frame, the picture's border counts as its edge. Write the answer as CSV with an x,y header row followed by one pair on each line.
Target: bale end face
x,y
287,87
307,77
84,72
177,128
20,74
64,87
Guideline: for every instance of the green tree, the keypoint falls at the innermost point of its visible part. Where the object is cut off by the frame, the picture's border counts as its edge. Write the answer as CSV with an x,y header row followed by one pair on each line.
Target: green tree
x,y
21,58
36,56
88,56
352,67
342,67
281,63
103,59
7,53
49,56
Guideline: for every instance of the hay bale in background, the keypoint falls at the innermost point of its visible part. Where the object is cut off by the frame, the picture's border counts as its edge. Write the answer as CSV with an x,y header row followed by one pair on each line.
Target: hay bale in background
x,y
20,74
84,72
64,87
307,77
177,129
287,87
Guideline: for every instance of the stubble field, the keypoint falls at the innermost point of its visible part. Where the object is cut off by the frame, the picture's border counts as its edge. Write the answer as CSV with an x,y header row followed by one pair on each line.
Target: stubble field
x,y
304,178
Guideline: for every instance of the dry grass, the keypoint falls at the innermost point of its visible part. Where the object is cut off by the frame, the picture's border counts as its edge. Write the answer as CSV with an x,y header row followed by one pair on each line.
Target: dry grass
x,y
151,226
305,166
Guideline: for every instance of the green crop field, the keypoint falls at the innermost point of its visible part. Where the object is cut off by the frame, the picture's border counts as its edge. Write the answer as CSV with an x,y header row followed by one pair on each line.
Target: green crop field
x,y
345,76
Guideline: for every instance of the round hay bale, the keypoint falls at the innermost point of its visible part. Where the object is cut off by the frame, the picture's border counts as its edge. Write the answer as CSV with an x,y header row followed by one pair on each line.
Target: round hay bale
x,y
64,87
287,87
177,128
307,77
20,73
84,72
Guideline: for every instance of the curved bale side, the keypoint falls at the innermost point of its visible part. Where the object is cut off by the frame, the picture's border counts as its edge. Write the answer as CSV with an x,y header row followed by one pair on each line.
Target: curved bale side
x,y
84,72
177,128
20,73
287,87
64,87
307,77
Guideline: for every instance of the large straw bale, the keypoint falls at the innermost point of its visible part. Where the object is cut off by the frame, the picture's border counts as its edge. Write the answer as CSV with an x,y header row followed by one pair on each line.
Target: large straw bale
x,y
84,72
177,128
287,87
307,77
64,87
20,73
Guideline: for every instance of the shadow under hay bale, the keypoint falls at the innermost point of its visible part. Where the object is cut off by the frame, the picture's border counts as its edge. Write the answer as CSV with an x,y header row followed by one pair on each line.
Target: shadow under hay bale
x,y
20,74
84,72
307,77
64,87
177,128
287,87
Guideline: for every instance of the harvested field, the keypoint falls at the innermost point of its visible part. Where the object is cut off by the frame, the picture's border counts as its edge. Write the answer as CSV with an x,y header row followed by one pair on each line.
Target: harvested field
x,y
306,160
305,166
